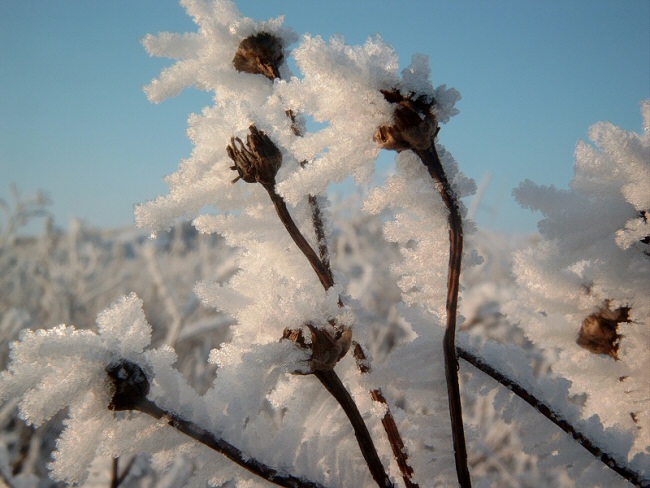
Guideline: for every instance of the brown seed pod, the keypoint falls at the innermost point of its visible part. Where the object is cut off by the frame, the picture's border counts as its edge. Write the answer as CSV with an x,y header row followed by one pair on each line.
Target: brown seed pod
x,y
599,331
261,53
130,382
415,126
257,161
327,349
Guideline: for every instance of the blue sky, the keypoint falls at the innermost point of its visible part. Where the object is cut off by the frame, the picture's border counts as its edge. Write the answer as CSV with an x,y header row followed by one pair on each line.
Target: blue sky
x,y
534,76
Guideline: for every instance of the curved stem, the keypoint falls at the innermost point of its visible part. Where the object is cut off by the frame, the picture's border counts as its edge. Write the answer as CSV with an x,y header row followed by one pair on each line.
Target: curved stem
x,y
231,452
432,162
334,385
115,473
547,411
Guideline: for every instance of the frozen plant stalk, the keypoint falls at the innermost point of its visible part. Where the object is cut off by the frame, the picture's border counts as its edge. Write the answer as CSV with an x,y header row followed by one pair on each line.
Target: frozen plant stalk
x,y
415,128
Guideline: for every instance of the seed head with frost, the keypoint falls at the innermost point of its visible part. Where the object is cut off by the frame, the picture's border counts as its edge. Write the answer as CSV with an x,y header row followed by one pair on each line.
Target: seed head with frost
x,y
235,58
583,288
64,367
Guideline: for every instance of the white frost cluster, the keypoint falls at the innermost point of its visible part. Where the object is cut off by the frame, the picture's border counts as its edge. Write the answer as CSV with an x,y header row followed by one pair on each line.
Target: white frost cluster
x,y
341,89
593,255
64,367
420,227
205,61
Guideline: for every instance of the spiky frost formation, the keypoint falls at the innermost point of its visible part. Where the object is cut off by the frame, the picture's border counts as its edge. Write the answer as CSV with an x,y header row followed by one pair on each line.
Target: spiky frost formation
x,y
205,61
341,89
205,58
420,228
584,287
64,367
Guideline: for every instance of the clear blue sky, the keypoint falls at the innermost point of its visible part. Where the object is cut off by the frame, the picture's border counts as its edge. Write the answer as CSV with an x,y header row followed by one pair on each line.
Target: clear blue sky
x,y
533,75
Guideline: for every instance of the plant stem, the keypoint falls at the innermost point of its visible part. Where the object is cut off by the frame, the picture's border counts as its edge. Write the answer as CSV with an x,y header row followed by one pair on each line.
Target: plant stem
x,y
322,267
323,272
546,411
334,385
319,230
388,421
231,452
432,162
115,473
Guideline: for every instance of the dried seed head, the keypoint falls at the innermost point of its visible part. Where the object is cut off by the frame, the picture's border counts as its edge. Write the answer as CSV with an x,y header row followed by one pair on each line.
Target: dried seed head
x,y
599,332
261,54
130,382
327,349
415,126
257,161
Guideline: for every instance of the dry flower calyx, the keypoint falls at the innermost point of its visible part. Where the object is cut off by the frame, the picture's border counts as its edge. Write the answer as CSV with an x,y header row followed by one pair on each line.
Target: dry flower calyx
x,y
257,161
415,125
327,348
599,331
260,54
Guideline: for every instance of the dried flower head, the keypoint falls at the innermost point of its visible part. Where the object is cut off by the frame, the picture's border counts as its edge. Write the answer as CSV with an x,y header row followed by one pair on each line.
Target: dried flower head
x,y
257,161
599,332
327,349
130,382
415,125
261,53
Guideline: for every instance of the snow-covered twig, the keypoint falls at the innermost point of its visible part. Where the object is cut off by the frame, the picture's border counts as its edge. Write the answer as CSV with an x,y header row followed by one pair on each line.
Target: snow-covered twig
x,y
551,413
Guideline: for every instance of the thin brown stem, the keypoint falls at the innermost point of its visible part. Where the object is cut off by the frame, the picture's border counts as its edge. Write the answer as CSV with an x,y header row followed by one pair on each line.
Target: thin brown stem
x,y
388,421
316,213
319,230
543,408
119,478
323,273
114,473
334,385
231,452
432,162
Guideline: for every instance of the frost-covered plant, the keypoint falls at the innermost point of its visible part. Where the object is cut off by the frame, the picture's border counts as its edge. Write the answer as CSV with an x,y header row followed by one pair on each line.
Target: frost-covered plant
x,y
583,289
297,372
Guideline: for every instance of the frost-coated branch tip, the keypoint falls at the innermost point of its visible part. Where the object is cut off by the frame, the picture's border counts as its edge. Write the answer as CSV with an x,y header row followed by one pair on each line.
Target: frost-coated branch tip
x,y
551,413
131,386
